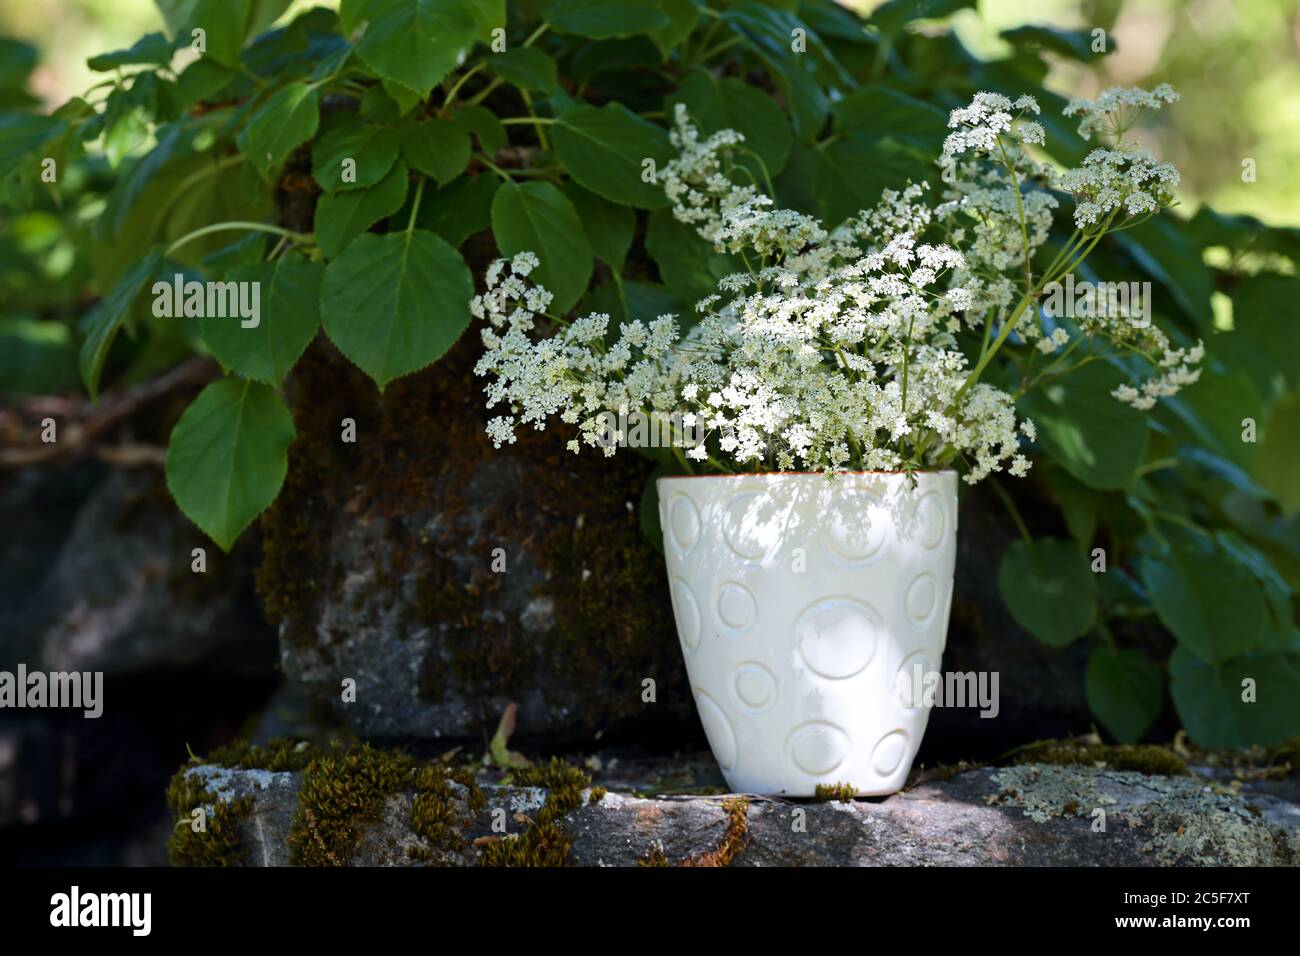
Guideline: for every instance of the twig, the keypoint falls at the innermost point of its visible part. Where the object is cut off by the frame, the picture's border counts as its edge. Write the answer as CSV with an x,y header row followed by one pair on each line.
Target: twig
x,y
78,437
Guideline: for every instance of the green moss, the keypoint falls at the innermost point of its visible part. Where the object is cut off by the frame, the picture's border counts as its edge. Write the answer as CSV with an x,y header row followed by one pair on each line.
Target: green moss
x,y
597,794
733,839
544,843
277,756
1141,758
297,528
843,792
342,794
219,843
434,814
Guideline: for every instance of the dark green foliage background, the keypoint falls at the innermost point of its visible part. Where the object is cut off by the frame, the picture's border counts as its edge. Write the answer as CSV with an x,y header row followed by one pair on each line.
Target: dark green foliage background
x,y
543,145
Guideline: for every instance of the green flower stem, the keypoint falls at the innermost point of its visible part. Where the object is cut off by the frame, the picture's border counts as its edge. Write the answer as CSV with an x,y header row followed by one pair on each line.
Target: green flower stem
x,y
226,226
451,95
1012,510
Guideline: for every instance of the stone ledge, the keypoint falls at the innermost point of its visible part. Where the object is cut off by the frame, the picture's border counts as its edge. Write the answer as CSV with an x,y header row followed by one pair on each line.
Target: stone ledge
x,y
1029,815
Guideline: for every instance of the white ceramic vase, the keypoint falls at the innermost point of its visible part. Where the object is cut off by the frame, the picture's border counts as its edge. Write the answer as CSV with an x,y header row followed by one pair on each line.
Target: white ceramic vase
x,y
804,607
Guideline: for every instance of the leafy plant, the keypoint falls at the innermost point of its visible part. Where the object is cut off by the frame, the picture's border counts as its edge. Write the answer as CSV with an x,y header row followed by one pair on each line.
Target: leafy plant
x,y
349,162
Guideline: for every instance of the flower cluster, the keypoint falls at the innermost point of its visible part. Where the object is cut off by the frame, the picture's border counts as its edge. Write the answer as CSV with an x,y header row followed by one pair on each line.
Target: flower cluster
x,y
1113,181
847,347
1116,109
979,126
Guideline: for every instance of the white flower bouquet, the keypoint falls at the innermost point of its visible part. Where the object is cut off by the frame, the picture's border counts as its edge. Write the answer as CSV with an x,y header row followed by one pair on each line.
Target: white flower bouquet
x,y
864,346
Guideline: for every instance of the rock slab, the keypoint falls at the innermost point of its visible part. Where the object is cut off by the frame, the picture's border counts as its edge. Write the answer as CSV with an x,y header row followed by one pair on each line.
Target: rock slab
x,y
1030,815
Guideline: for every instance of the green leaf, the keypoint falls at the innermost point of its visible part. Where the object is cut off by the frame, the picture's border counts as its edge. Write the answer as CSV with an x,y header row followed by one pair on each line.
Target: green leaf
x,y
1209,698
1265,338
630,301
683,16
1090,433
1049,588
1124,691
224,24
418,42
106,318
289,306
153,49
536,217
437,148
17,60
890,17
608,225
606,150
372,148
288,120
527,68
1075,44
879,111
342,216
727,103
1174,260
689,266
1277,466
649,510
605,19
395,303
768,33
490,15
228,456
483,123
1213,604
23,136
458,211
36,357
1080,504
405,100
838,180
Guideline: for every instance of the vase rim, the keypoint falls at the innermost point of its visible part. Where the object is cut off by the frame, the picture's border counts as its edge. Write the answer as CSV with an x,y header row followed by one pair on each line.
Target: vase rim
x,y
820,474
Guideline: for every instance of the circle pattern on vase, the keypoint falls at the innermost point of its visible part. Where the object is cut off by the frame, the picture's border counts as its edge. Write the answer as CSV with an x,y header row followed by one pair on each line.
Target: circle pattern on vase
x,y
930,521
722,739
751,524
817,747
921,599
837,637
889,752
687,611
909,682
755,686
848,530
684,522
737,607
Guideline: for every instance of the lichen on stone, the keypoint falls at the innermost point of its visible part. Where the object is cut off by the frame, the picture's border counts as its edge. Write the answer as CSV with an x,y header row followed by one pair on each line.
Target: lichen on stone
x,y
1185,821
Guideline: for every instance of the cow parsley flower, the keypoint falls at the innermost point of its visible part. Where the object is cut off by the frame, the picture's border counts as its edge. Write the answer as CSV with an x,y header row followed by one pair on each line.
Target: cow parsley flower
x,y
846,346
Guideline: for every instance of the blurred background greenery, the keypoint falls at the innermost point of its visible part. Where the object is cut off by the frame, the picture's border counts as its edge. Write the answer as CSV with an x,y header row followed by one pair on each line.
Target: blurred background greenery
x,y
1238,61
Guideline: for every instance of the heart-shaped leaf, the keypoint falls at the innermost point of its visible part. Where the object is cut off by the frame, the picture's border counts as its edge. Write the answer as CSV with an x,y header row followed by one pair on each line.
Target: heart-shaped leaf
x,y
228,456
288,296
395,303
